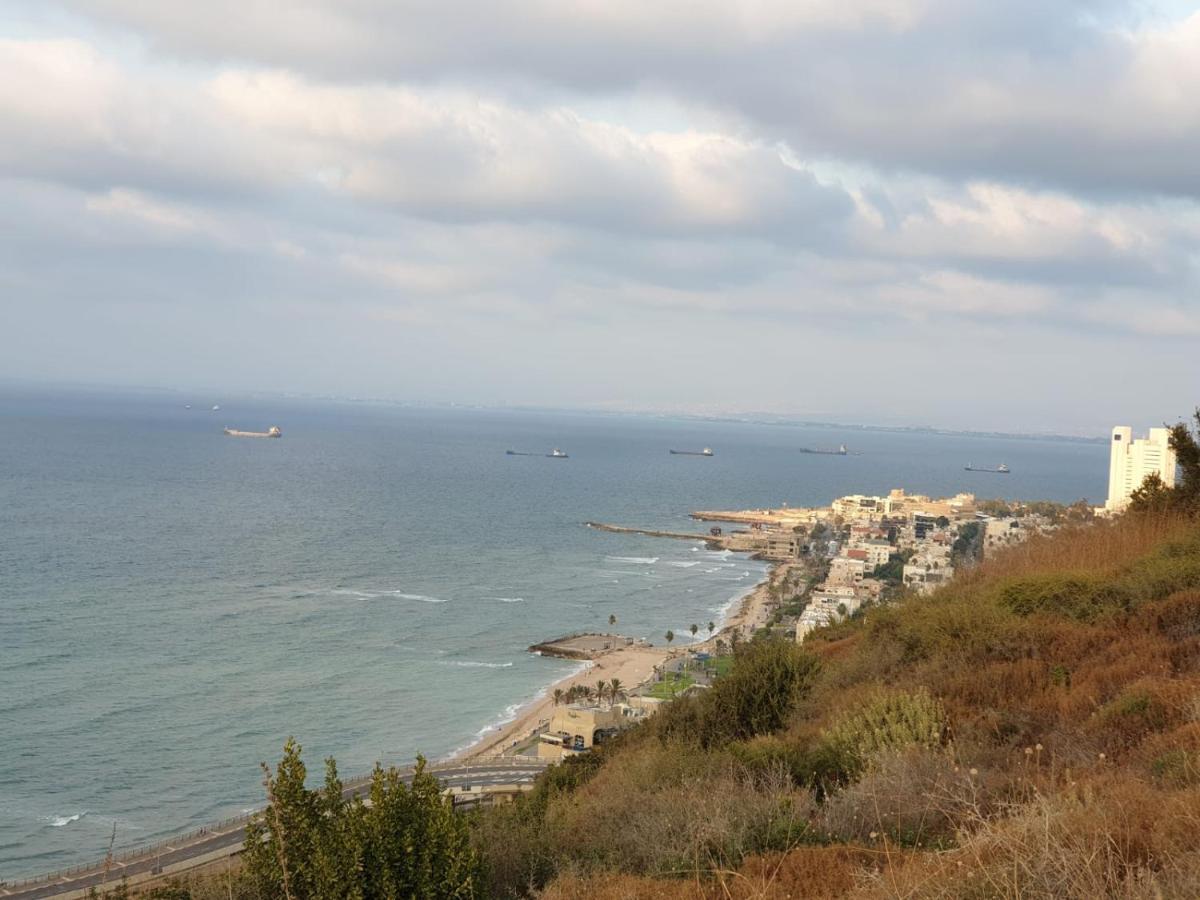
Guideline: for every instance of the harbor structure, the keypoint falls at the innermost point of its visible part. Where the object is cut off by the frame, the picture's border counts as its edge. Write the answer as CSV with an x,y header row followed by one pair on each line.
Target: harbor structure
x,y
1131,460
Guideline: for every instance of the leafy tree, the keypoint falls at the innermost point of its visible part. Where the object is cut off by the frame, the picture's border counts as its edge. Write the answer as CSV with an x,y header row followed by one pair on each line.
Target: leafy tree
x,y
670,635
612,620
996,508
695,628
768,679
559,696
1154,495
942,522
319,845
712,626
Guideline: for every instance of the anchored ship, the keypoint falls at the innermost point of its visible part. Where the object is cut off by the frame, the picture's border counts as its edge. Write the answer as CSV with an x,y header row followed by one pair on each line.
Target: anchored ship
x,y
1001,469
553,454
707,451
272,432
840,451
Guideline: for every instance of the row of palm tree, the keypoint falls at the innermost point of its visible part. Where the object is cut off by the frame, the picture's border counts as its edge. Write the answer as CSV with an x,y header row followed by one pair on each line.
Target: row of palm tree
x,y
605,691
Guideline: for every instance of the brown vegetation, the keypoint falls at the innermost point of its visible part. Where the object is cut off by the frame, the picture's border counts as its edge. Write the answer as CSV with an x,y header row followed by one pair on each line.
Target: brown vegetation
x,y
1033,730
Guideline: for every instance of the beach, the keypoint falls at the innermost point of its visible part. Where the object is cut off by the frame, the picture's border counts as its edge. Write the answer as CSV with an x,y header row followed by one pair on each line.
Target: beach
x,y
633,666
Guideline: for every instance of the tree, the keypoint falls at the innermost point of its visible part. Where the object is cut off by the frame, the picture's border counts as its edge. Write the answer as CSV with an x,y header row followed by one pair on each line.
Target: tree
x,y
318,845
712,626
612,620
1153,494
559,696
670,635
616,690
942,522
695,628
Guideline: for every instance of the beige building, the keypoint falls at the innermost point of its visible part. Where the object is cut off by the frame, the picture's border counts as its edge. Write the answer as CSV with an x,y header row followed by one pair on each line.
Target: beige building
x,y
1130,461
578,727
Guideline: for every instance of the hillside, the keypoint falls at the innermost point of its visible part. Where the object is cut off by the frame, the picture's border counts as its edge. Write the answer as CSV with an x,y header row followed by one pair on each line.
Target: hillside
x,y
1031,730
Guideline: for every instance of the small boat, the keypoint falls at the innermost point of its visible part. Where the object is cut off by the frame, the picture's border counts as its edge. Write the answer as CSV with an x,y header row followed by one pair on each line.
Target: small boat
x,y
215,408
840,451
1001,469
557,454
707,451
272,432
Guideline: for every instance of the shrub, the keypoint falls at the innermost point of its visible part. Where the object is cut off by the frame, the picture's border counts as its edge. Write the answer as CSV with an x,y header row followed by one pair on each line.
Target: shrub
x,y
888,721
757,696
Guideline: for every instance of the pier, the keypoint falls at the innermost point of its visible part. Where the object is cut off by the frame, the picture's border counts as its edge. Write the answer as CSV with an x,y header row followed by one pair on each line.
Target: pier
x,y
713,541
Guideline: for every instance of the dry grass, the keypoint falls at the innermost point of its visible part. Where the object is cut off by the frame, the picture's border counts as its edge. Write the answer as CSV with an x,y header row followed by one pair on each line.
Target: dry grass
x,y
1068,670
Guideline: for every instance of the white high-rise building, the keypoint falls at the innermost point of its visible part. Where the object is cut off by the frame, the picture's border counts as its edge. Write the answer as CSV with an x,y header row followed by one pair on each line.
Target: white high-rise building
x,y
1131,461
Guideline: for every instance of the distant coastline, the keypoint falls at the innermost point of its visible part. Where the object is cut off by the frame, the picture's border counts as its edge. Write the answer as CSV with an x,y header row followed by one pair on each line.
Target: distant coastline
x,y
747,418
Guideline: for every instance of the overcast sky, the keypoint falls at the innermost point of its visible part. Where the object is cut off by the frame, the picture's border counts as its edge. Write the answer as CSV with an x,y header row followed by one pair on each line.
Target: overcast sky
x,y
964,213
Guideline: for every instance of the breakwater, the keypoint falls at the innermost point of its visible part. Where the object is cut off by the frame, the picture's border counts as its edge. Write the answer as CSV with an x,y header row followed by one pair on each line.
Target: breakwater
x,y
712,541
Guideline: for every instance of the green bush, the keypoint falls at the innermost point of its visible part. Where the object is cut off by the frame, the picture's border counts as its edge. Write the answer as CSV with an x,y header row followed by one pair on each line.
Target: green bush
x,y
888,721
766,682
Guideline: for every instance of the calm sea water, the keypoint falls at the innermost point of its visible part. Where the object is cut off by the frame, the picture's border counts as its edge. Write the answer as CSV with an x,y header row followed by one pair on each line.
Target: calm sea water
x,y
175,603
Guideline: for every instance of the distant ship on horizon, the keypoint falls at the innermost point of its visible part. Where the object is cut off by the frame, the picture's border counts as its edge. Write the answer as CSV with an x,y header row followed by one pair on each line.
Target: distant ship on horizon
x,y
707,451
272,432
553,454
1001,469
840,451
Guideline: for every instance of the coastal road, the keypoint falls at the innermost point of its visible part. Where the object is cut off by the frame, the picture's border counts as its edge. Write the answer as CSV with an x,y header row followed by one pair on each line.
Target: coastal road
x,y
212,845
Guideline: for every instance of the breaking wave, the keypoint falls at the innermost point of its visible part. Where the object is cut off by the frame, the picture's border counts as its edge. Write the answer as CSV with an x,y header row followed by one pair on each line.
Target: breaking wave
x,y
473,664
60,821
639,560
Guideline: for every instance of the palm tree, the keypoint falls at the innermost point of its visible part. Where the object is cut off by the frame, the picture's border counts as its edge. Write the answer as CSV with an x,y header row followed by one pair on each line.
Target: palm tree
x,y
670,635
601,691
615,690
712,626
695,628
612,620
559,696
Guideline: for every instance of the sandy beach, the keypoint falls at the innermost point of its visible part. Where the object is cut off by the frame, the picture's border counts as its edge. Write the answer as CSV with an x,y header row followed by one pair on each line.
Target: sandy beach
x,y
633,666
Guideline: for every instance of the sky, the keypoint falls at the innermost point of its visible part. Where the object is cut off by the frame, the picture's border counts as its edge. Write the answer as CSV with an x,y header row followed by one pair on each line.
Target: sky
x,y
957,213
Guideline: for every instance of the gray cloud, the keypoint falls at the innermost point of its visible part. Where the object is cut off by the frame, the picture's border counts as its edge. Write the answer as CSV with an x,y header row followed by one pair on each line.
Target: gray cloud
x,y
438,201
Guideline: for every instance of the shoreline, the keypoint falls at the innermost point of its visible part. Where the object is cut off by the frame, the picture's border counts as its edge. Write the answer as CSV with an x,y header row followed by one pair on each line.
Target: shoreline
x,y
634,665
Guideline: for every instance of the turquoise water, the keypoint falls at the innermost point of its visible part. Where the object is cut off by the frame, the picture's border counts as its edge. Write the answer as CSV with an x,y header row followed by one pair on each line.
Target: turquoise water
x,y
175,603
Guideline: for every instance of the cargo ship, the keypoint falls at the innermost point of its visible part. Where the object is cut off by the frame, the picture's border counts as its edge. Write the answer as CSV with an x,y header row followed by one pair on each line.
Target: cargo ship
x,y
272,432
840,451
1001,469
553,454
707,451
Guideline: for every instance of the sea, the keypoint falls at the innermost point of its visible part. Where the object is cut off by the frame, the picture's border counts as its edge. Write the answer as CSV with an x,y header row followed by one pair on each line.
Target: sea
x,y
175,603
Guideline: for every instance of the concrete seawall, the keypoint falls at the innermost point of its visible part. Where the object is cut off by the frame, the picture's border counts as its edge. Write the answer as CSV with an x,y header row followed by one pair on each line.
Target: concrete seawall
x,y
715,542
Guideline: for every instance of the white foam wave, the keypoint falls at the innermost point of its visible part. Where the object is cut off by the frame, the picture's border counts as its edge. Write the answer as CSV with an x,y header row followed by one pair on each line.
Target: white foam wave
x,y
60,821
473,664
683,565
637,560
375,595
424,598
507,599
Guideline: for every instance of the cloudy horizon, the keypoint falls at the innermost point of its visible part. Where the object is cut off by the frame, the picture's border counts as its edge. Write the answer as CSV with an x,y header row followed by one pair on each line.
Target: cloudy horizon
x,y
941,212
